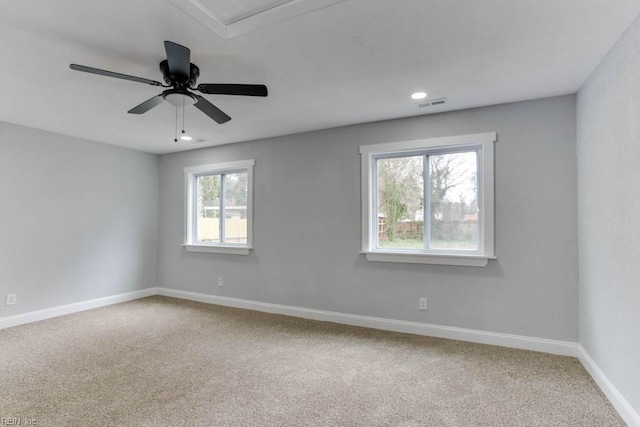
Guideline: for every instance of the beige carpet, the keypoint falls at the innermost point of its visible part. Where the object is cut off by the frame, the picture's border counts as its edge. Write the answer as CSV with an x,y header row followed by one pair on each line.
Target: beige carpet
x,y
166,362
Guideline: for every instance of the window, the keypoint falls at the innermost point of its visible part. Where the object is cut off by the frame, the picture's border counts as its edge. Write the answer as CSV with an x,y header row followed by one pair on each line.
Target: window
x,y
429,201
218,207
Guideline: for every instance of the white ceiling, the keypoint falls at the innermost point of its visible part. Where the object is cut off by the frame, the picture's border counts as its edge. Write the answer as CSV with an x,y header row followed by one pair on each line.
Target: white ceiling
x,y
355,61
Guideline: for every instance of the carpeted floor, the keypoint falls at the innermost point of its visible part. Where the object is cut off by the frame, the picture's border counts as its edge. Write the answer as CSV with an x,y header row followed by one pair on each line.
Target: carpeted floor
x,y
166,362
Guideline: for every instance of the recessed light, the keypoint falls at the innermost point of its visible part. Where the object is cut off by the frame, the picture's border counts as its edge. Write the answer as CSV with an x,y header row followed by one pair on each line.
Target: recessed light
x,y
419,95
186,138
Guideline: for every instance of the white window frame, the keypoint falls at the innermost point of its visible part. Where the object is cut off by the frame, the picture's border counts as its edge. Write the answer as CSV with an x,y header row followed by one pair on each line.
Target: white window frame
x,y
190,177
484,143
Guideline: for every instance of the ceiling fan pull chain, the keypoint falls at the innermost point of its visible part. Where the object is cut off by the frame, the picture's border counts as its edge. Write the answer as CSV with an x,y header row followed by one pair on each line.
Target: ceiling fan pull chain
x,y
176,129
183,106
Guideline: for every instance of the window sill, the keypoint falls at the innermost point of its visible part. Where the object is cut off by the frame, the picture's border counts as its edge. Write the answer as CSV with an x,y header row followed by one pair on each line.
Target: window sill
x,y
449,259
218,249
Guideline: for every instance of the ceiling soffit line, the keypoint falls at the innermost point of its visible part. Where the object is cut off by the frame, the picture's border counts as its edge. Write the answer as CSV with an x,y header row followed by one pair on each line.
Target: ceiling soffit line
x,y
251,20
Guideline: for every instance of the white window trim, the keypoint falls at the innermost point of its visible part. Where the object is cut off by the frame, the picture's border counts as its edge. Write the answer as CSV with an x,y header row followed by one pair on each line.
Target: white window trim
x,y
190,175
486,162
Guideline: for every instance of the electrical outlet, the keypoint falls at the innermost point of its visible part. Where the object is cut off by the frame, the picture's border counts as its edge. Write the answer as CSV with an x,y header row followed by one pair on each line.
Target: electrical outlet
x,y
10,299
220,283
423,304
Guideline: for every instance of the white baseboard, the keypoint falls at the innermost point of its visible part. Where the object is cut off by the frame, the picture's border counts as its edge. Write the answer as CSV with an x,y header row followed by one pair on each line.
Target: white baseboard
x,y
626,411
61,310
563,348
492,338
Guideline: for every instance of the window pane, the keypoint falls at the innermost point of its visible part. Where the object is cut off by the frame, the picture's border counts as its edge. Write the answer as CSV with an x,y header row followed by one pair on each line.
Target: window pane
x,y
454,201
235,212
400,202
208,209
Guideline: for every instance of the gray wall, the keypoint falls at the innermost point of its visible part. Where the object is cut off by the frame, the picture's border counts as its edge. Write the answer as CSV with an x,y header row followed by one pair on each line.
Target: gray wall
x,y
608,211
78,219
307,226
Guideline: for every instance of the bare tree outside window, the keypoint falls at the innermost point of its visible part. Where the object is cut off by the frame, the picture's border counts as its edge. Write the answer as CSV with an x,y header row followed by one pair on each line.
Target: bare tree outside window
x,y
401,202
453,201
451,210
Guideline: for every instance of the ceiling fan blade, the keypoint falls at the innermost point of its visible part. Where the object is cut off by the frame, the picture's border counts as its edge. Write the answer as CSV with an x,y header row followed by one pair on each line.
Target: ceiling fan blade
x,y
147,105
179,59
113,74
211,110
233,89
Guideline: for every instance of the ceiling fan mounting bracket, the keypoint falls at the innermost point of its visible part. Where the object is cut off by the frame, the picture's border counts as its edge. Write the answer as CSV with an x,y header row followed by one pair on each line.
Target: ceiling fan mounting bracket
x,y
180,81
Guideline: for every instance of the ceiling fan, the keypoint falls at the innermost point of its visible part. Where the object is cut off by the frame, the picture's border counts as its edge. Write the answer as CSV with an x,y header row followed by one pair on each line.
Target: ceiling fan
x,y
180,75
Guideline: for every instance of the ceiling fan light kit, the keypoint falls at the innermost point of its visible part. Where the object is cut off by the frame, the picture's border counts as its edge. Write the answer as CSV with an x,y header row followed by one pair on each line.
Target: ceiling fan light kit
x,y
178,98
181,76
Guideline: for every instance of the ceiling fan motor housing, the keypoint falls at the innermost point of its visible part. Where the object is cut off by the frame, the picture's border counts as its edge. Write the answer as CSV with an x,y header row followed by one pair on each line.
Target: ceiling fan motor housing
x,y
180,81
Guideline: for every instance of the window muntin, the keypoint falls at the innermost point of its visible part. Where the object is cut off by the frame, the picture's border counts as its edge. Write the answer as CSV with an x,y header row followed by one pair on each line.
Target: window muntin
x,y
218,207
429,201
